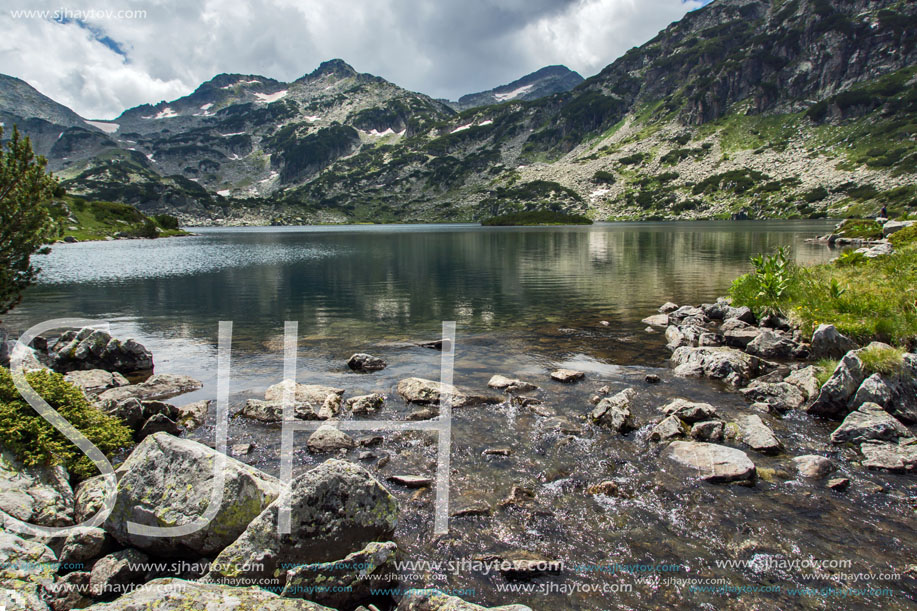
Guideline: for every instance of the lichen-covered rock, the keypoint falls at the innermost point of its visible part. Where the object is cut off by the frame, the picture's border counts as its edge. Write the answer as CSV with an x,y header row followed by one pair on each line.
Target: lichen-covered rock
x,y
614,412
27,570
181,595
365,404
112,573
336,509
93,349
434,600
728,364
95,381
167,481
712,462
806,380
89,497
194,414
37,494
343,583
869,423
85,544
155,388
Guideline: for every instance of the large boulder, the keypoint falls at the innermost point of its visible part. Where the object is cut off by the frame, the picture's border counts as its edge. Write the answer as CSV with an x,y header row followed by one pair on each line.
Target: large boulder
x,y
806,380
167,481
869,423
155,388
336,509
727,364
343,583
435,600
614,412
93,349
37,494
181,595
84,544
833,398
829,343
712,462
891,227
895,392
769,344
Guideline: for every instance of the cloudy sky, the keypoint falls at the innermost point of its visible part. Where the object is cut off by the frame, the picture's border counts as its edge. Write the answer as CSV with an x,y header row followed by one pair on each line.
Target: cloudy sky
x,y
103,56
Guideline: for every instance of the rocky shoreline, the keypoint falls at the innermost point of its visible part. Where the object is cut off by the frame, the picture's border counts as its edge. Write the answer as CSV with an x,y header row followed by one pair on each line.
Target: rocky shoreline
x,y
344,516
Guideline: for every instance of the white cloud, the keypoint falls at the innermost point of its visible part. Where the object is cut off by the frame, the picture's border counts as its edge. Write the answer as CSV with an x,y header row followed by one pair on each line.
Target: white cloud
x,y
444,49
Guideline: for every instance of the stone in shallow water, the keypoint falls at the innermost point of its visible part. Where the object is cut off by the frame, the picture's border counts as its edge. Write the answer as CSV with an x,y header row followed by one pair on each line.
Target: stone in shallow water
x,y
302,393
727,364
757,435
884,456
157,387
713,463
869,422
783,396
656,320
567,375
839,484
345,582
411,481
669,428
510,384
614,412
365,404
428,392
813,466
708,430
327,438
689,411
366,363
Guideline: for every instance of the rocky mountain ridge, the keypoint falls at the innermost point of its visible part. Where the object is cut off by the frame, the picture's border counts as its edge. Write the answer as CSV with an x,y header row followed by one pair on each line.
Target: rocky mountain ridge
x,y
541,83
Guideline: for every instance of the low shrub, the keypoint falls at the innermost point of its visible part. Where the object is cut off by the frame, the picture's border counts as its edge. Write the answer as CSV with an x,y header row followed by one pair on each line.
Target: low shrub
x,y
882,359
34,441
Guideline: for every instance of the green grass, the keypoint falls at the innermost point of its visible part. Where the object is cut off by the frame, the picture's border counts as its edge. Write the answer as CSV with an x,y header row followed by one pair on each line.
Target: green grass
x,y
863,229
536,217
904,237
882,359
35,442
97,220
825,368
866,299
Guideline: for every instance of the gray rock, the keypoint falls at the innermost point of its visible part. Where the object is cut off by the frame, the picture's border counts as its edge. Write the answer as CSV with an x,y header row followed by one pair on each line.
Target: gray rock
x,y
92,349
328,438
427,392
689,411
272,411
675,338
36,494
129,410
715,311
194,414
365,404
242,449
656,320
668,307
336,509
884,456
829,343
314,394
708,430
669,428
85,544
743,313
26,572
903,386
813,466
712,462
806,380
839,484
782,396
366,363
181,595
411,481
710,339
112,573
157,387
89,497
757,435
330,408
167,481
95,381
869,423
686,312
727,364
878,250
891,227
567,375
69,592
833,398
770,345
740,337
158,423
733,324
343,583
614,412
510,384
434,600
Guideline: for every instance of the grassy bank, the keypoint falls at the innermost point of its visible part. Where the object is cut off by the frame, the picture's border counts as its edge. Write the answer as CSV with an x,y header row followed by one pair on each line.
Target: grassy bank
x,y
87,220
536,217
864,298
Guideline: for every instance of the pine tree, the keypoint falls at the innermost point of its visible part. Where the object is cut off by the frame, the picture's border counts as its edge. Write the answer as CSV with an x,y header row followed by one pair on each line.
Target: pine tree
x,y
25,224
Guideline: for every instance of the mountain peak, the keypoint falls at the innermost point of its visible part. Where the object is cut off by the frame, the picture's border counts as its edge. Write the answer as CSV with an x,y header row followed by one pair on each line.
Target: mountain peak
x,y
541,83
337,67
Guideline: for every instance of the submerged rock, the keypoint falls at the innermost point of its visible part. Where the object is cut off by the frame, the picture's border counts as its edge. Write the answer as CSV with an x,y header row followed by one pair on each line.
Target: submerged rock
x,y
869,423
713,463
167,481
366,363
813,466
336,509
94,349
